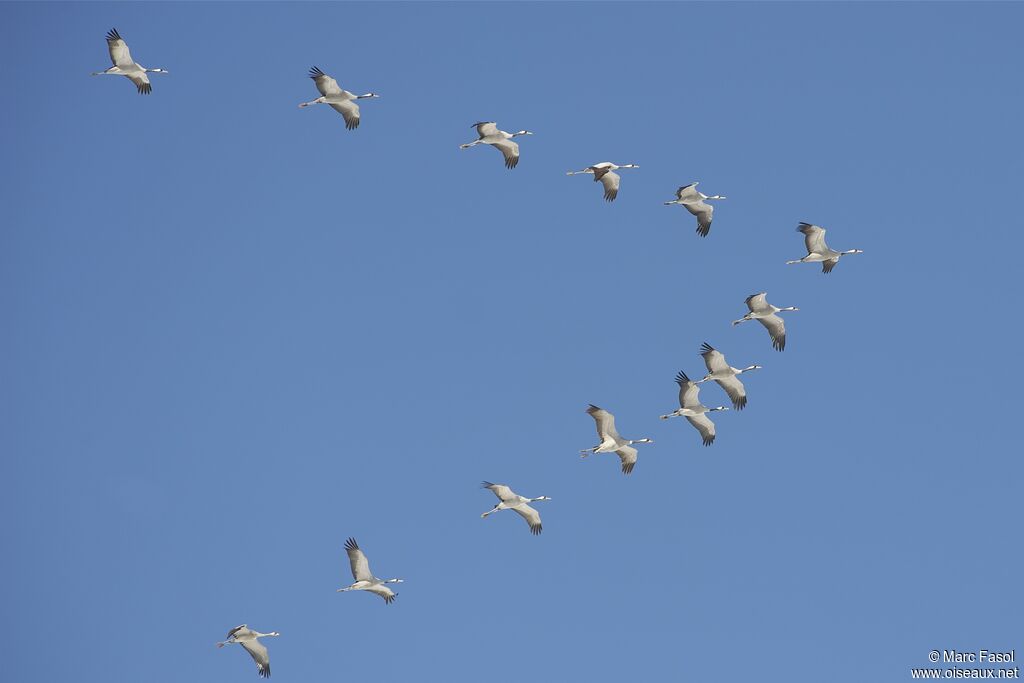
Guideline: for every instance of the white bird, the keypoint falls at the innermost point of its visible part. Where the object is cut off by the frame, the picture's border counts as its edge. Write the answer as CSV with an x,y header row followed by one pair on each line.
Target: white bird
x,y
341,101
764,313
365,580
693,201
510,500
693,410
817,250
124,65
723,373
490,135
605,172
611,442
249,639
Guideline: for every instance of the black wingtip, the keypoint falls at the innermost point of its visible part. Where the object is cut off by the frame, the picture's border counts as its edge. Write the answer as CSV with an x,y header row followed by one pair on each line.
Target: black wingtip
x,y
740,403
486,484
315,72
681,378
535,530
112,34
705,347
703,230
628,468
351,544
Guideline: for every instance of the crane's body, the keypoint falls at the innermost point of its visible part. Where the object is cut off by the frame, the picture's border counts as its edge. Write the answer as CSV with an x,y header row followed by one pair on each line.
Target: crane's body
x,y
817,250
766,314
339,99
604,172
510,500
124,65
499,139
692,200
611,442
249,639
364,578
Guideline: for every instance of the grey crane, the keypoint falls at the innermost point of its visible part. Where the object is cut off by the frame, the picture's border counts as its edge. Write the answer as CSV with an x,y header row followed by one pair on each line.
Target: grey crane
x,y
817,250
693,410
693,201
725,375
341,101
249,639
510,500
124,65
499,139
611,442
764,313
605,172
364,578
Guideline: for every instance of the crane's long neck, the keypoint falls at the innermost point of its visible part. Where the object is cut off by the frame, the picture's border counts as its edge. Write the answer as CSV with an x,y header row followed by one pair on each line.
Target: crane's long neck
x,y
715,196
789,308
852,251
748,369
643,440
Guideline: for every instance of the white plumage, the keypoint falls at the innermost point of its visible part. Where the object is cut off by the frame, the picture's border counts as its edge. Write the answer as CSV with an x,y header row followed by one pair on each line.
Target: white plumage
x,y
364,578
510,500
765,313
249,639
605,173
124,65
340,100
499,139
693,410
611,442
817,250
693,201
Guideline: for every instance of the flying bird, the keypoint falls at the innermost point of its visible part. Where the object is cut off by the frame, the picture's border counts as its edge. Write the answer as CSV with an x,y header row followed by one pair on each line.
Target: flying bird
x,y
611,442
817,250
726,375
341,101
693,201
490,135
765,313
605,172
510,500
124,65
693,410
364,579
249,639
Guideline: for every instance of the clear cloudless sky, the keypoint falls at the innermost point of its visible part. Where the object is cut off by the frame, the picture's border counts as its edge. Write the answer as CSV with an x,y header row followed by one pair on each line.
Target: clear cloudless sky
x,y
235,333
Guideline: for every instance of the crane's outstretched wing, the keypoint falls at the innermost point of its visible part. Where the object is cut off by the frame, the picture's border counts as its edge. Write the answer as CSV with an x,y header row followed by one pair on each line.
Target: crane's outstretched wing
x,y
610,180
485,128
827,266
814,238
757,302
510,150
703,424
627,454
605,423
350,111
776,330
141,81
119,54
357,561
531,516
324,83
259,655
384,592
688,391
504,493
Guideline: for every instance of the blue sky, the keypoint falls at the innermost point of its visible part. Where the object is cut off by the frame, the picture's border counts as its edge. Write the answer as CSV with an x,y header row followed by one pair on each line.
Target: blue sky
x,y
235,334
